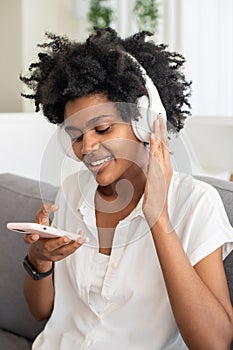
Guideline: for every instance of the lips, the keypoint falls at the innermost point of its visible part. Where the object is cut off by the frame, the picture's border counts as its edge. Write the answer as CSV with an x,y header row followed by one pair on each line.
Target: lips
x,y
98,163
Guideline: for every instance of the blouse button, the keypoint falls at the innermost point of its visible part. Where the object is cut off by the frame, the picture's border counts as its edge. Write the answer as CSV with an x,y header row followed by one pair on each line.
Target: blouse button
x,y
114,265
88,342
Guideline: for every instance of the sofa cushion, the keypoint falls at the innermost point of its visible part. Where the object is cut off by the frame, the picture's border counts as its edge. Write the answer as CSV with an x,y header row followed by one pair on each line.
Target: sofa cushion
x,y
20,200
11,341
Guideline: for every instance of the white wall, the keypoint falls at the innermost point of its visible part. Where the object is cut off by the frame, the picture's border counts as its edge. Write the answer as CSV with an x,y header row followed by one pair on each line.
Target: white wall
x,y
23,24
10,57
40,16
207,44
29,147
210,140
23,138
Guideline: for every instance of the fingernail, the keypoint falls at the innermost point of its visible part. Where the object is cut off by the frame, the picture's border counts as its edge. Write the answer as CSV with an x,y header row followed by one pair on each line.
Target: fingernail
x,y
54,207
82,240
34,237
67,240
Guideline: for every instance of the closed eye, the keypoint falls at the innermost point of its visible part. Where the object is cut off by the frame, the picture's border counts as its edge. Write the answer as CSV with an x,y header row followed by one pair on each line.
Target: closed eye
x,y
79,136
103,131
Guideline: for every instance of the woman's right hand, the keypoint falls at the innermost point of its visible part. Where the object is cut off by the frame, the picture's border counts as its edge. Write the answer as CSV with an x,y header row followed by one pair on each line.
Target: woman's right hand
x,y
44,251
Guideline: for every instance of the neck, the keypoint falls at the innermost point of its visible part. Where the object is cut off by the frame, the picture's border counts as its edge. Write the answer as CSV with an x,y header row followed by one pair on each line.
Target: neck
x,y
126,191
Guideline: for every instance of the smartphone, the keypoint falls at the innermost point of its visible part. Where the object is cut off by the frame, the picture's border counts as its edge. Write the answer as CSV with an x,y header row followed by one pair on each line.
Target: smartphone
x,y
42,230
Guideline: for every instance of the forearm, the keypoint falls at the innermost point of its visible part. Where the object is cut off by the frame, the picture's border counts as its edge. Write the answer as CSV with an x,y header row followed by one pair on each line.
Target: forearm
x,y
201,318
40,294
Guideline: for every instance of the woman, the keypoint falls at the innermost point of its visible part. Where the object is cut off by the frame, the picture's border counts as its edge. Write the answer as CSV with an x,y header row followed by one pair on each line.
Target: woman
x,y
151,274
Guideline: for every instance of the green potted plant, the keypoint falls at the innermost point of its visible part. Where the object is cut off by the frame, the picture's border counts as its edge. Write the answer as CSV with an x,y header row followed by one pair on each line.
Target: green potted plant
x,y
100,13
147,14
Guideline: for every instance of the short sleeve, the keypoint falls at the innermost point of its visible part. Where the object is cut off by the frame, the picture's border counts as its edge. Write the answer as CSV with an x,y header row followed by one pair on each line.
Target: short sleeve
x,y
205,226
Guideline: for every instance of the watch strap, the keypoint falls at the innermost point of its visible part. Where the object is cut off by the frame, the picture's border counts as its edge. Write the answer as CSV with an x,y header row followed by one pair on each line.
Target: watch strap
x,y
31,270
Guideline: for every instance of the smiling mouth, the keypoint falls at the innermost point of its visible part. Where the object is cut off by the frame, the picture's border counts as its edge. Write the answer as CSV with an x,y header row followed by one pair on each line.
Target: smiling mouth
x,y
99,163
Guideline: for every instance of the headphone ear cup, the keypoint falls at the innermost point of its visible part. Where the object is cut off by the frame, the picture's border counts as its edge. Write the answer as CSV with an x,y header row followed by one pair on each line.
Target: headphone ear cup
x,y
149,108
65,143
141,127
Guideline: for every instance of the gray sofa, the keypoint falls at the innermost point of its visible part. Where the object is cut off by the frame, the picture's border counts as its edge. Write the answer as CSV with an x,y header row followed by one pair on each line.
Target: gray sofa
x,y
20,199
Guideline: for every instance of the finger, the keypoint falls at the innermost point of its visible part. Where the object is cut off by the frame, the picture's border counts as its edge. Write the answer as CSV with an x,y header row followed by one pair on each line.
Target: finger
x,y
66,250
64,241
157,130
52,244
163,130
155,142
164,139
46,249
31,238
58,249
42,216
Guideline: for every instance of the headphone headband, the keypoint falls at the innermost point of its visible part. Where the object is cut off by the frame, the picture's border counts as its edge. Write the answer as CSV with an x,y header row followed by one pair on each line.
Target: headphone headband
x,y
149,107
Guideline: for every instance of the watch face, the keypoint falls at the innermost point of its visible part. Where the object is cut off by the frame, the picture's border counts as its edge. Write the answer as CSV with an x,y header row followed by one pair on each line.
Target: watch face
x,y
30,269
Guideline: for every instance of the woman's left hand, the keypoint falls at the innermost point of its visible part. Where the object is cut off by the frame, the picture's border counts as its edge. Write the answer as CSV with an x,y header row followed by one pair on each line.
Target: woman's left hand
x,y
159,173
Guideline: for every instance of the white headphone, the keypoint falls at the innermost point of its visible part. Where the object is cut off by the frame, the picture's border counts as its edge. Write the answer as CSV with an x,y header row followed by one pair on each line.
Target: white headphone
x,y
149,108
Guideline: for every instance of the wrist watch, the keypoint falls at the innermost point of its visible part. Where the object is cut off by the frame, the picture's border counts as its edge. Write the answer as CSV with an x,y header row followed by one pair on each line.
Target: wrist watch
x,y
33,272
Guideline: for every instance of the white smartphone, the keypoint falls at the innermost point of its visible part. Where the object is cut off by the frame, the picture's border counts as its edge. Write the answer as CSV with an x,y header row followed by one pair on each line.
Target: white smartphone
x,y
42,230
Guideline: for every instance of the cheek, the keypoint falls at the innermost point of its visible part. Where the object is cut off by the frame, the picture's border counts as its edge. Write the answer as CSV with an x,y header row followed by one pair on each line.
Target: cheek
x,y
130,150
77,147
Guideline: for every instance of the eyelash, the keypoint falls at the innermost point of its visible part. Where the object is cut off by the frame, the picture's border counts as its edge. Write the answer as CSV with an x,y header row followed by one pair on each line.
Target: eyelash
x,y
78,139
103,131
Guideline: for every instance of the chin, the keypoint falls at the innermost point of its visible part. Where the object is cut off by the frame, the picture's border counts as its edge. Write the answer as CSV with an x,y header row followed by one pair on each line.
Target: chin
x,y
103,180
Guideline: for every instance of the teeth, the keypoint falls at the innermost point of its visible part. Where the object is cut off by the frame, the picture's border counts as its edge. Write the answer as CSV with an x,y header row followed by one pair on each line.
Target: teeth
x,y
101,161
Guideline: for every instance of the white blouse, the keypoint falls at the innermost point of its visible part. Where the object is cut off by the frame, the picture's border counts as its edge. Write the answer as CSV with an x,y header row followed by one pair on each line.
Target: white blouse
x,y
96,301
120,301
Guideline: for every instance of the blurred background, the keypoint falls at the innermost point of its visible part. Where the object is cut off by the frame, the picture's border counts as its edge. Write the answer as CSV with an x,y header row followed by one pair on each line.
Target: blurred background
x,y
201,30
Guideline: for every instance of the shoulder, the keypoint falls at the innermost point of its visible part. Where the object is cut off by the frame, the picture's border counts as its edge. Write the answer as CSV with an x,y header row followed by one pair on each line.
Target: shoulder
x,y
195,202
199,217
185,186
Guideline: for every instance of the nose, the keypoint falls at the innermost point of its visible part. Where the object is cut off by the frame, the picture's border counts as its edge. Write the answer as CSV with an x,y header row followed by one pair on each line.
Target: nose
x,y
89,143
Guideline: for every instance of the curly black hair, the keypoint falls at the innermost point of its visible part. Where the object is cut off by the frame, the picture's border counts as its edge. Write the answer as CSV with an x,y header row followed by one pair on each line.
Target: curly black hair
x,y
68,69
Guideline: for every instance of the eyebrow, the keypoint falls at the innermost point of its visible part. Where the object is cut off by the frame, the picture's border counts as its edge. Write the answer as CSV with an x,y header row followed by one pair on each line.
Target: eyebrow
x,y
95,120
90,123
70,128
